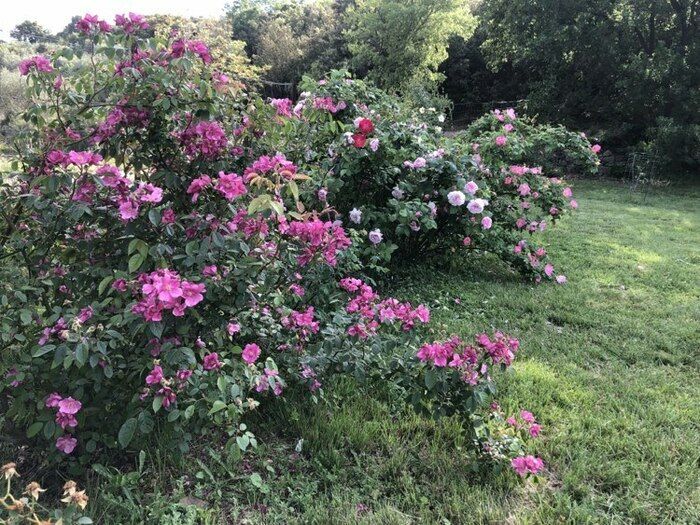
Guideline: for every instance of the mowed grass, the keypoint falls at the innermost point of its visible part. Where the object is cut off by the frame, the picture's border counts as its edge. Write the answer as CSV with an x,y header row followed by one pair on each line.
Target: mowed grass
x,y
610,361
609,364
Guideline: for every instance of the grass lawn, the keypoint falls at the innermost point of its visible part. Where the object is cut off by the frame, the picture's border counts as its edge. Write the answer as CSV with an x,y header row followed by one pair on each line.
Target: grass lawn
x,y
609,364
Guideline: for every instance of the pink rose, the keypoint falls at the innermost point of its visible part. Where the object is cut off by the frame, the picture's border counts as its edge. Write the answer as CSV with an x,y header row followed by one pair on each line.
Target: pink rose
x,y
251,352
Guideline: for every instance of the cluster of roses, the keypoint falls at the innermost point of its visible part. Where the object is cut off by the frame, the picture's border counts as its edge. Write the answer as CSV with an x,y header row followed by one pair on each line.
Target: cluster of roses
x,y
91,24
317,236
58,329
267,165
269,380
197,47
119,117
38,62
469,359
524,189
66,410
249,226
128,200
165,290
508,116
524,465
125,198
526,422
513,432
327,103
303,323
163,387
374,312
206,138
285,107
363,128
230,185
475,206
80,159
421,162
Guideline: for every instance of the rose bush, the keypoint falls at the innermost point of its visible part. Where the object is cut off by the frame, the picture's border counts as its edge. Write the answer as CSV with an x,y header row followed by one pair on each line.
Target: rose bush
x,y
175,272
389,171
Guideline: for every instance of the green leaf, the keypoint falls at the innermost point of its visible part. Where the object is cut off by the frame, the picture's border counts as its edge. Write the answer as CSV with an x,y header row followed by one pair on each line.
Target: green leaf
x,y
43,350
256,480
34,429
103,284
294,189
218,406
126,432
154,216
259,203
243,442
135,262
81,354
277,207
25,316
431,379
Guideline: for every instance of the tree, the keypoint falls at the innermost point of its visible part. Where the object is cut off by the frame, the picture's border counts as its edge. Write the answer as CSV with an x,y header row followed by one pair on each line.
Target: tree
x,y
30,32
619,67
393,41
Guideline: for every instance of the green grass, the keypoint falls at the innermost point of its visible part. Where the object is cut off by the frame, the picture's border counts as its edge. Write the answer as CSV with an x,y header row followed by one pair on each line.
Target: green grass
x,y
610,364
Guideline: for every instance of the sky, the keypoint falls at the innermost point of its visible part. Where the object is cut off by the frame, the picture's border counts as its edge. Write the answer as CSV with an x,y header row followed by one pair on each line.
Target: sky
x,y
54,15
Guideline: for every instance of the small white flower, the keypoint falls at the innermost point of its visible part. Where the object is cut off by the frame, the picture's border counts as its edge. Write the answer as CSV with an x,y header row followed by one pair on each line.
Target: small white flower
x,y
397,193
375,236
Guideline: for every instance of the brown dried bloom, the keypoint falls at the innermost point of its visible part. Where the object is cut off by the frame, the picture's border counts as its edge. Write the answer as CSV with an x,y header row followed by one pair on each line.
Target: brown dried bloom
x,y
17,505
34,489
77,498
69,488
9,470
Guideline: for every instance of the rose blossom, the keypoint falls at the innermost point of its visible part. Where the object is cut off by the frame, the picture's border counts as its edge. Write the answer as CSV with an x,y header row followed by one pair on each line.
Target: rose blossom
x,y
456,198
251,352
477,205
211,362
66,444
471,187
355,215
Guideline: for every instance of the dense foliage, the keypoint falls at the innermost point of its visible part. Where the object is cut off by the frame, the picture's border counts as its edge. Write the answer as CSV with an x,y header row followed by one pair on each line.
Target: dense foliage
x,y
624,69
176,274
